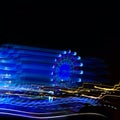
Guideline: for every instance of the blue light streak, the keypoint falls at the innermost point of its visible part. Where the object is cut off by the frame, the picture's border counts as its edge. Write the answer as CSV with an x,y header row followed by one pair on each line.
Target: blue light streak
x,y
25,70
22,64
44,105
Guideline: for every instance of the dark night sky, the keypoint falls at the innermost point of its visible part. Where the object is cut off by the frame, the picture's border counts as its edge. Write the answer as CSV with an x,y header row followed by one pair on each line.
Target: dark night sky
x,y
86,31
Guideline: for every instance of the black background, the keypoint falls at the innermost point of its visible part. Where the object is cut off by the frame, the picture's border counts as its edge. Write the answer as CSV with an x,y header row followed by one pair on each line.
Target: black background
x,y
90,32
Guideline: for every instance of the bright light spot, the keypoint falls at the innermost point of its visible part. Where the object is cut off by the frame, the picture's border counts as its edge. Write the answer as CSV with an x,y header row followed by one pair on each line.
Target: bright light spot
x,y
81,72
6,68
51,92
51,73
55,60
69,51
5,86
64,52
9,81
75,53
50,99
79,80
60,55
53,66
79,58
81,64
7,75
62,80
51,79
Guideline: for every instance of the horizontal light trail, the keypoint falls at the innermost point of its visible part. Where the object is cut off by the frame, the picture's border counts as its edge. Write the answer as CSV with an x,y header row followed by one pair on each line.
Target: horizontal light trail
x,y
27,54
35,49
30,63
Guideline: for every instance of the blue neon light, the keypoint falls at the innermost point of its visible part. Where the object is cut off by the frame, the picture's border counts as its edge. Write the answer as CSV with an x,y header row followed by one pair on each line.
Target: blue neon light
x,y
66,69
29,65
25,70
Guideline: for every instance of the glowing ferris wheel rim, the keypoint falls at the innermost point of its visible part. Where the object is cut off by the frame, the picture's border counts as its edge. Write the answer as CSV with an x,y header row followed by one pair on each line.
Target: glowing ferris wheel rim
x,y
67,68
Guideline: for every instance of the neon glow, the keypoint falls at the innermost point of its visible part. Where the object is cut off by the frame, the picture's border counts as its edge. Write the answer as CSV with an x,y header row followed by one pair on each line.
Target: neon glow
x,y
66,69
28,65
35,82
